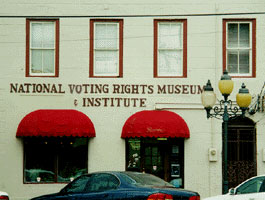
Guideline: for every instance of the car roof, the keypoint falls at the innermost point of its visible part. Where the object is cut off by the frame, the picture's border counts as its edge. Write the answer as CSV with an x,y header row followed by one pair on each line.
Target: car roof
x,y
3,193
114,172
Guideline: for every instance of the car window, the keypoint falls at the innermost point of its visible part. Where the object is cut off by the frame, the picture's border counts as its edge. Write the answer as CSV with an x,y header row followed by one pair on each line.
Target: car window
x,y
78,185
145,179
102,182
262,187
252,186
128,179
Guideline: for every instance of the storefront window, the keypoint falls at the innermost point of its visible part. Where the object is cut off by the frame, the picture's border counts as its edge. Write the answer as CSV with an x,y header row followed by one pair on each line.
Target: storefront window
x,y
133,159
51,160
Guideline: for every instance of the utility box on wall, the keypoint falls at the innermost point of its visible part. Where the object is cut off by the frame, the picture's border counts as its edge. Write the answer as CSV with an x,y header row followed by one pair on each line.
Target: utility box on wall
x,y
212,154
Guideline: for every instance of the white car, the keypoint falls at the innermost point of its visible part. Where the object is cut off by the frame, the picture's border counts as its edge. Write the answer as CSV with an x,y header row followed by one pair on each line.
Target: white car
x,y
4,195
253,188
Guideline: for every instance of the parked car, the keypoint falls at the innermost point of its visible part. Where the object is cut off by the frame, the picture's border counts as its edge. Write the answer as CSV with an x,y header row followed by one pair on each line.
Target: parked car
x,y
122,186
253,188
4,196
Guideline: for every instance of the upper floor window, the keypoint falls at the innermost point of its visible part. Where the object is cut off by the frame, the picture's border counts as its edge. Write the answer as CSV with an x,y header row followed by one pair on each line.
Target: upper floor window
x,y
239,47
170,48
42,48
106,48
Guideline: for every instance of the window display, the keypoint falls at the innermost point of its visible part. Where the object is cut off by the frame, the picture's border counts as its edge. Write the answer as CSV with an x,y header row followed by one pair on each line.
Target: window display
x,y
54,160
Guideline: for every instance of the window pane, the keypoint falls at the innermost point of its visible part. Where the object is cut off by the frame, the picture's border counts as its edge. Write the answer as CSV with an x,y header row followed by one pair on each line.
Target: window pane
x,y
244,61
48,35
232,35
154,161
48,61
79,185
103,182
164,37
106,36
251,186
42,61
72,159
148,151
169,35
36,35
39,162
106,62
232,62
147,179
48,158
42,39
148,160
244,35
112,36
42,35
154,151
133,159
36,61
170,63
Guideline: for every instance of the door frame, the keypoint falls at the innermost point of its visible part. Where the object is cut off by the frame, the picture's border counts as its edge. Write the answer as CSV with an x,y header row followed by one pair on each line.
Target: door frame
x,y
169,157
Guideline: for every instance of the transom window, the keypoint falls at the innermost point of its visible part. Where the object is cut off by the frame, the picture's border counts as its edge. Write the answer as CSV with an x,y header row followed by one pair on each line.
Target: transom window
x,y
106,48
240,47
42,48
170,52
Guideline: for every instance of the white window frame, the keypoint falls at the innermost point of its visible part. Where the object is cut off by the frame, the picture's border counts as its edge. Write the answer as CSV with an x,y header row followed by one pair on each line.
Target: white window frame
x,y
117,49
240,48
32,48
181,48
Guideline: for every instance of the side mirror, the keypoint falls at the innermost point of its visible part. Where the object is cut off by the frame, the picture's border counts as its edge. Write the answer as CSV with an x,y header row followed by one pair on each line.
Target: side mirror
x,y
232,191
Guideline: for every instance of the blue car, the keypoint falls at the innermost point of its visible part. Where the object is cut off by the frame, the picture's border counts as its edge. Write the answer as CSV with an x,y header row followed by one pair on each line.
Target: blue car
x,y
120,186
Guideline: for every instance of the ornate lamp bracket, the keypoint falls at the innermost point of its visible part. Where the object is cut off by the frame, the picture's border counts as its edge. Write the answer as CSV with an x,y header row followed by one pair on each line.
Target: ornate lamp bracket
x,y
225,109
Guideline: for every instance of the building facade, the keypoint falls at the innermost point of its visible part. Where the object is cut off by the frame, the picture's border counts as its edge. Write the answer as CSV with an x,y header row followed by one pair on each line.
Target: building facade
x,y
116,85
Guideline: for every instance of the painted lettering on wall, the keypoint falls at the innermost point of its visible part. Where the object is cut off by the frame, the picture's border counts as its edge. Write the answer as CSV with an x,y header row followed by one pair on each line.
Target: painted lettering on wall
x,y
117,94
36,88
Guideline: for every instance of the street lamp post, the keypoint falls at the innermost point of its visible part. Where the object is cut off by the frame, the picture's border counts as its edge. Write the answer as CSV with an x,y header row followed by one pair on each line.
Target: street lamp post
x,y
225,110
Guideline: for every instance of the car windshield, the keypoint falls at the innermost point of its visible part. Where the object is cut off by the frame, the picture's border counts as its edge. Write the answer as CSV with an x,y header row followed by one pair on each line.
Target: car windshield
x,y
144,179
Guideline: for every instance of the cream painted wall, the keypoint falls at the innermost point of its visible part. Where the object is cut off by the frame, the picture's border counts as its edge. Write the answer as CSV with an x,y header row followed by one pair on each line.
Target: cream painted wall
x,y
107,149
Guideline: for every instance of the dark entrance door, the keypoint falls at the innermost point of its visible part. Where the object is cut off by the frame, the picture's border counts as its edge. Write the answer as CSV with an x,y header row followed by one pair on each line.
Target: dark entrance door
x,y
241,155
155,159
163,157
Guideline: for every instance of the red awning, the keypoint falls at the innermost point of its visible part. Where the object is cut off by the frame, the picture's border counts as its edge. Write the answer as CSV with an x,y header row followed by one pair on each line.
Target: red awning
x,y
56,123
155,123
